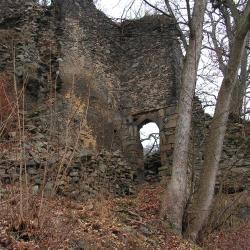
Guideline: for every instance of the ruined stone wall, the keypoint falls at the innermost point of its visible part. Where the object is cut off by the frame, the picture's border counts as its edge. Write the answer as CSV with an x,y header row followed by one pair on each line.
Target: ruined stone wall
x,y
149,79
105,79
65,53
91,62
88,175
28,38
116,76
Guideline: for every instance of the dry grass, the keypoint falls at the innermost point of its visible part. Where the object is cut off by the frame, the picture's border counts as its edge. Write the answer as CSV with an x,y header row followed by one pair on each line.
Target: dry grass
x,y
105,222
7,104
235,238
100,223
225,211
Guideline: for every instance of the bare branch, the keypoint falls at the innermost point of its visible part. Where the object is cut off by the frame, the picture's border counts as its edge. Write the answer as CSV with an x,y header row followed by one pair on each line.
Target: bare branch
x,y
188,12
156,8
218,50
182,36
231,5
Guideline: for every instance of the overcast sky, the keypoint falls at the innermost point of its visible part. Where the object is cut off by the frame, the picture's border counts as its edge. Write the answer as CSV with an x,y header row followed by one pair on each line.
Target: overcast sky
x,y
115,8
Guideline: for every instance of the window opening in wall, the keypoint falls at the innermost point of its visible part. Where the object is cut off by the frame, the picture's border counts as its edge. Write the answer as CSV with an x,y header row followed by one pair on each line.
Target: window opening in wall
x,y
150,140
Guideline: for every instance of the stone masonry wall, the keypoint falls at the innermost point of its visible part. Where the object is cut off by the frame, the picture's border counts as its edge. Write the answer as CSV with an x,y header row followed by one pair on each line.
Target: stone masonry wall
x,y
149,79
72,53
90,59
105,79
28,38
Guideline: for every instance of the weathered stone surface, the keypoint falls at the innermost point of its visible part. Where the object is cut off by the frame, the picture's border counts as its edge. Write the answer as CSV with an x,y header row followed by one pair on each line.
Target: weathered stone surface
x,y
114,78
113,66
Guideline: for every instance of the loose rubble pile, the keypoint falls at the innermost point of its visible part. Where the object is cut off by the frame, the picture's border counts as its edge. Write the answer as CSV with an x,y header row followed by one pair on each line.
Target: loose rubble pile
x,y
104,173
86,174
152,163
54,162
89,175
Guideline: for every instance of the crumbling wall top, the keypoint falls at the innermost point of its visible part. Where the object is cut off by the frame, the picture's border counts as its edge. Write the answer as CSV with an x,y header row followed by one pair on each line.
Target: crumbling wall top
x,y
148,24
73,8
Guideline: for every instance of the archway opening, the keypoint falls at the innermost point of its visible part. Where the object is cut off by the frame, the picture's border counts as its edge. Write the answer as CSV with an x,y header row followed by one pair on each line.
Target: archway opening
x,y
150,140
45,2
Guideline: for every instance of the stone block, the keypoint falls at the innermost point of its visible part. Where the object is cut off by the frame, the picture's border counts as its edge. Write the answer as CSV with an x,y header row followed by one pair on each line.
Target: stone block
x,y
171,139
2,172
171,123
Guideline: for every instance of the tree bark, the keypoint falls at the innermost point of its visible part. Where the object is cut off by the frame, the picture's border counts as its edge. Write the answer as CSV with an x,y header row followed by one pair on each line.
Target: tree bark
x,y
176,195
240,86
202,205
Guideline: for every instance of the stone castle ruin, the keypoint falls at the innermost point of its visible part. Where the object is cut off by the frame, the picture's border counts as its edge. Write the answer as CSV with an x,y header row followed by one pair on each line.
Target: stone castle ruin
x,y
124,75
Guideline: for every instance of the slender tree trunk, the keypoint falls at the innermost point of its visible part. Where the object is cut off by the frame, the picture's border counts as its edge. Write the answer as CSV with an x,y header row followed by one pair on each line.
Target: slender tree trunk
x,y
237,100
202,205
175,198
240,86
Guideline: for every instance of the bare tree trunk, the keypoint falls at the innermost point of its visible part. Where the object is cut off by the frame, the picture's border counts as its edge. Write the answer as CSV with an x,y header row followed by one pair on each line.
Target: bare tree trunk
x,y
175,198
240,86
202,205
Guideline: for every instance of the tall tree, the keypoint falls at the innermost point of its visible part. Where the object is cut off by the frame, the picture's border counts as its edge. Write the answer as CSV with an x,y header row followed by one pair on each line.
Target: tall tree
x,y
242,84
215,138
177,192
227,14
